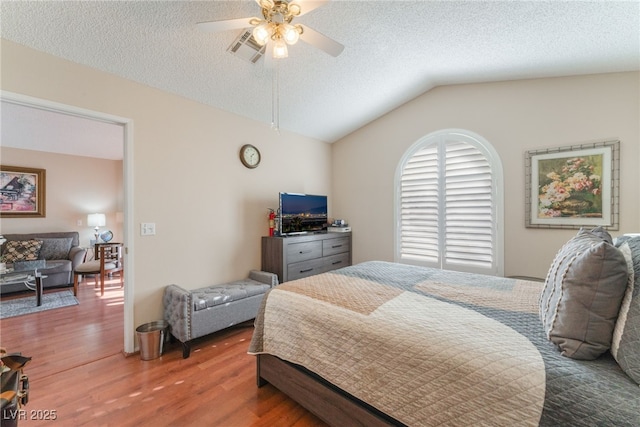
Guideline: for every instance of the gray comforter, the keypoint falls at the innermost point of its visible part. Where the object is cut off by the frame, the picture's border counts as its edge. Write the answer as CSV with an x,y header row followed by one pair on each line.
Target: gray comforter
x,y
434,347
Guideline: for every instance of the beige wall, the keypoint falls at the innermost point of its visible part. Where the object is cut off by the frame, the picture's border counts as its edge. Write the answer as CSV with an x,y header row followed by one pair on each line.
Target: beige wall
x,y
514,117
75,186
209,210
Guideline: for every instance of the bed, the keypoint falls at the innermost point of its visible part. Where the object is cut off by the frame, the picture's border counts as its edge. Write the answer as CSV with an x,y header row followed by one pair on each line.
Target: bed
x,y
381,343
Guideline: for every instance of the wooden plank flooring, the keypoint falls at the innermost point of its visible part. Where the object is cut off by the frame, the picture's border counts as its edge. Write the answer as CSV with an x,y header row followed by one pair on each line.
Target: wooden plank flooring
x,y
79,373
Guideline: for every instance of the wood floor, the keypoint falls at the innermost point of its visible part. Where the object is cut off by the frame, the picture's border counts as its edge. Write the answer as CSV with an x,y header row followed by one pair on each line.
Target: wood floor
x,y
79,374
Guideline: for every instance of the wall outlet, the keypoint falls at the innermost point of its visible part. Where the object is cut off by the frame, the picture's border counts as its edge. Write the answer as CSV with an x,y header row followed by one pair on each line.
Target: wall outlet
x,y
147,228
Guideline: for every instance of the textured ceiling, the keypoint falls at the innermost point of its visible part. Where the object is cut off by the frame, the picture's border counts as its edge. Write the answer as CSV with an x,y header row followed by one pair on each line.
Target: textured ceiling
x,y
394,50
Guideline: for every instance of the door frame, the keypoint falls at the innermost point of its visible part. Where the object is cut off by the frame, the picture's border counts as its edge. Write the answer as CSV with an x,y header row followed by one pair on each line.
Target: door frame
x,y
127,124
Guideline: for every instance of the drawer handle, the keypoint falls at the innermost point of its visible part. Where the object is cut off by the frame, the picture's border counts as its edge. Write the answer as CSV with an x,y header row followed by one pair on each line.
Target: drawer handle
x,y
307,270
305,252
336,246
336,262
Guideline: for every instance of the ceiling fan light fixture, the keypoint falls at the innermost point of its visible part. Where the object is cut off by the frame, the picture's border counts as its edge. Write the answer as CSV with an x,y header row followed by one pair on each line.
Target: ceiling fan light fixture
x,y
266,4
280,50
262,33
289,33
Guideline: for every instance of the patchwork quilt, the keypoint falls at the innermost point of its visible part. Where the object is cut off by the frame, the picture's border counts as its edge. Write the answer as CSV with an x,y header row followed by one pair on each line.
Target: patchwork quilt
x,y
433,347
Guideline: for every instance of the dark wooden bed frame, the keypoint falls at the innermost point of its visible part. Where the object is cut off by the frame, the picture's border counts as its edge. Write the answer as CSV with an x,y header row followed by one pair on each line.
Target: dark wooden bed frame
x,y
328,402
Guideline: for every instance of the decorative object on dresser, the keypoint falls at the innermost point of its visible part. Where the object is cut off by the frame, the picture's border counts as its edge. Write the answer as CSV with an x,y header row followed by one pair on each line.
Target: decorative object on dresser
x,y
22,192
194,313
295,257
339,226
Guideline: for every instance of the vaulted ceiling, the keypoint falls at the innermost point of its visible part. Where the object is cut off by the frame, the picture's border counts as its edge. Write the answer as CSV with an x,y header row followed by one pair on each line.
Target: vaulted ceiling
x,y
394,50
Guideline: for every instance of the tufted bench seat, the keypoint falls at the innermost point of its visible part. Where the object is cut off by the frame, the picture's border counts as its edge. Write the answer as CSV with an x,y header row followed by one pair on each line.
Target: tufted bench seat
x,y
194,313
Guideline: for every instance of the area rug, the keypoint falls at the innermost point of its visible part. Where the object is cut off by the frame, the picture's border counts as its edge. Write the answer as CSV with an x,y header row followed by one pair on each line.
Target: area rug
x,y
27,305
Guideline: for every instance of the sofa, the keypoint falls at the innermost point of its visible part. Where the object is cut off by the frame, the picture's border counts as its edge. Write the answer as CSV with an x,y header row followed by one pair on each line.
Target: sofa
x,y
61,250
198,312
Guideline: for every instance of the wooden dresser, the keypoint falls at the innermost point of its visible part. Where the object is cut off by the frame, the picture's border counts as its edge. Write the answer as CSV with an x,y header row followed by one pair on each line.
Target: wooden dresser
x,y
295,257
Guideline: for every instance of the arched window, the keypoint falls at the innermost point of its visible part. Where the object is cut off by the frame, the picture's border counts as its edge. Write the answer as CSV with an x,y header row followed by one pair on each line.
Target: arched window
x,y
449,204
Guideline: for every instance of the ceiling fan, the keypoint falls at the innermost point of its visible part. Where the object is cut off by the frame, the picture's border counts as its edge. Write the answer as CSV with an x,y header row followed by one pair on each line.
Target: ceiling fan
x,y
276,31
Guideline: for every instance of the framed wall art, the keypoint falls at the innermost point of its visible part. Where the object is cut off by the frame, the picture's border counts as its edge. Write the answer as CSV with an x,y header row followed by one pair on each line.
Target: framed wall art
x,y
22,192
574,186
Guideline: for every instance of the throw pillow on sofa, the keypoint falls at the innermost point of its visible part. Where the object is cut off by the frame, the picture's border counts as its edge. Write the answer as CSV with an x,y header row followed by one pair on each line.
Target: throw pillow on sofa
x,y
55,248
21,250
582,294
625,346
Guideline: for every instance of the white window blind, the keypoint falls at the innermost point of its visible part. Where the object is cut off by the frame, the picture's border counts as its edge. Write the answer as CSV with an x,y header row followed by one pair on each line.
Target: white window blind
x,y
446,207
419,207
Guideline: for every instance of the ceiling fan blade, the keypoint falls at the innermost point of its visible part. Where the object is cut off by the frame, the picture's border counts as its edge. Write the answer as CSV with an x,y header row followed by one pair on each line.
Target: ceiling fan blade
x,y
307,6
228,24
321,41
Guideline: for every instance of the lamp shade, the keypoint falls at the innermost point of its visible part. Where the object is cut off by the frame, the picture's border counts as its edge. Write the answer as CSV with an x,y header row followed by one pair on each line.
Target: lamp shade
x,y
280,49
96,220
262,33
289,33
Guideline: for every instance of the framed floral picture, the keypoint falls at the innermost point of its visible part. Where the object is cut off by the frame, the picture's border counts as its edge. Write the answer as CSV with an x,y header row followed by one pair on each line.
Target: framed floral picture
x,y
22,192
572,187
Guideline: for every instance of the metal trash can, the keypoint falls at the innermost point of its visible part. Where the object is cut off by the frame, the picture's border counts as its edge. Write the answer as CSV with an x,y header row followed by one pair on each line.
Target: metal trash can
x,y
151,338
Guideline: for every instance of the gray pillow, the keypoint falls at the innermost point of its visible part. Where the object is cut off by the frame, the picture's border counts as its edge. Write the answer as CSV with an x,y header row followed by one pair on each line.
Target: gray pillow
x,y
582,294
625,346
55,247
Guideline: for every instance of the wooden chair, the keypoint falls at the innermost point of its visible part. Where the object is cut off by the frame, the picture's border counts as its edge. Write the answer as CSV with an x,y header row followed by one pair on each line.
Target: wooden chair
x,y
109,260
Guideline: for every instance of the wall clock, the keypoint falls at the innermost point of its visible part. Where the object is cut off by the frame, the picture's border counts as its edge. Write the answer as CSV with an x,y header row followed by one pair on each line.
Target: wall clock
x,y
250,156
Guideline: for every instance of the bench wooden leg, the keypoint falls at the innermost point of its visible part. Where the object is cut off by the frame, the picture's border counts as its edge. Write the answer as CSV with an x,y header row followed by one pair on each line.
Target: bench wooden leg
x,y
186,349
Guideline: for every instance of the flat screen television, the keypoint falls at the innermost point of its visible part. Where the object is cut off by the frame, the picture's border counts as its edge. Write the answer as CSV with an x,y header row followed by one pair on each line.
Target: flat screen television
x,y
302,213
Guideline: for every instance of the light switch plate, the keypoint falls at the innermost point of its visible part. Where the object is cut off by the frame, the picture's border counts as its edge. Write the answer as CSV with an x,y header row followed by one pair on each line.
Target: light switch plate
x,y
147,228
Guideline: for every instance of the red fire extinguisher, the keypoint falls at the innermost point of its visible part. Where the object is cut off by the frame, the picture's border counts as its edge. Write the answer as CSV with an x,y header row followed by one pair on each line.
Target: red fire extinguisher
x,y
272,222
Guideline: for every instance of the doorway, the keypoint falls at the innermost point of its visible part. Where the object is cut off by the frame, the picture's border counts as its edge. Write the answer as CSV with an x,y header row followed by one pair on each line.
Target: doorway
x,y
126,124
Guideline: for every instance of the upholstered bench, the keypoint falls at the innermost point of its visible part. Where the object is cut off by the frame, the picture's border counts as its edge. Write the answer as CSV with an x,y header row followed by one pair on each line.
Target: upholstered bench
x,y
194,313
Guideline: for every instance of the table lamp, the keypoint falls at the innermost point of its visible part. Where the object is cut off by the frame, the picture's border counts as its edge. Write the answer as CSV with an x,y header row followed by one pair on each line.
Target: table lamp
x,y
96,220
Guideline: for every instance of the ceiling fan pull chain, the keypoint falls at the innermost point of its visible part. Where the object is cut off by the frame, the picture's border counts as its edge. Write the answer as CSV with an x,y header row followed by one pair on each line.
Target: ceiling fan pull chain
x,y
275,97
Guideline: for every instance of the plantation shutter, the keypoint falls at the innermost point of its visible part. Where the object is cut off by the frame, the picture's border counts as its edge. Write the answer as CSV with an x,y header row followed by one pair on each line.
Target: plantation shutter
x,y
447,208
419,207
468,207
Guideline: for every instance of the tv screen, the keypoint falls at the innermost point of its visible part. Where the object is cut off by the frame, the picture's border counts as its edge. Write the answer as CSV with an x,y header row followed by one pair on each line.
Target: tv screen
x,y
302,213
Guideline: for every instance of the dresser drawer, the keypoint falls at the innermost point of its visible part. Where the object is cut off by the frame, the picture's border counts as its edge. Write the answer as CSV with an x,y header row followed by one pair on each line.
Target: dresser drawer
x,y
295,257
336,261
303,251
335,246
302,269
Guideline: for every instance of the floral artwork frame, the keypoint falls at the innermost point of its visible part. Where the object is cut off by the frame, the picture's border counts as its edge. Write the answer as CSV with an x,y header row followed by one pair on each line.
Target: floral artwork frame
x,y
22,192
573,187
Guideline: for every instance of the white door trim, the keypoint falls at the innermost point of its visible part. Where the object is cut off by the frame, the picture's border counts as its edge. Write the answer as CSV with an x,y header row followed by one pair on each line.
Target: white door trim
x,y
127,124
